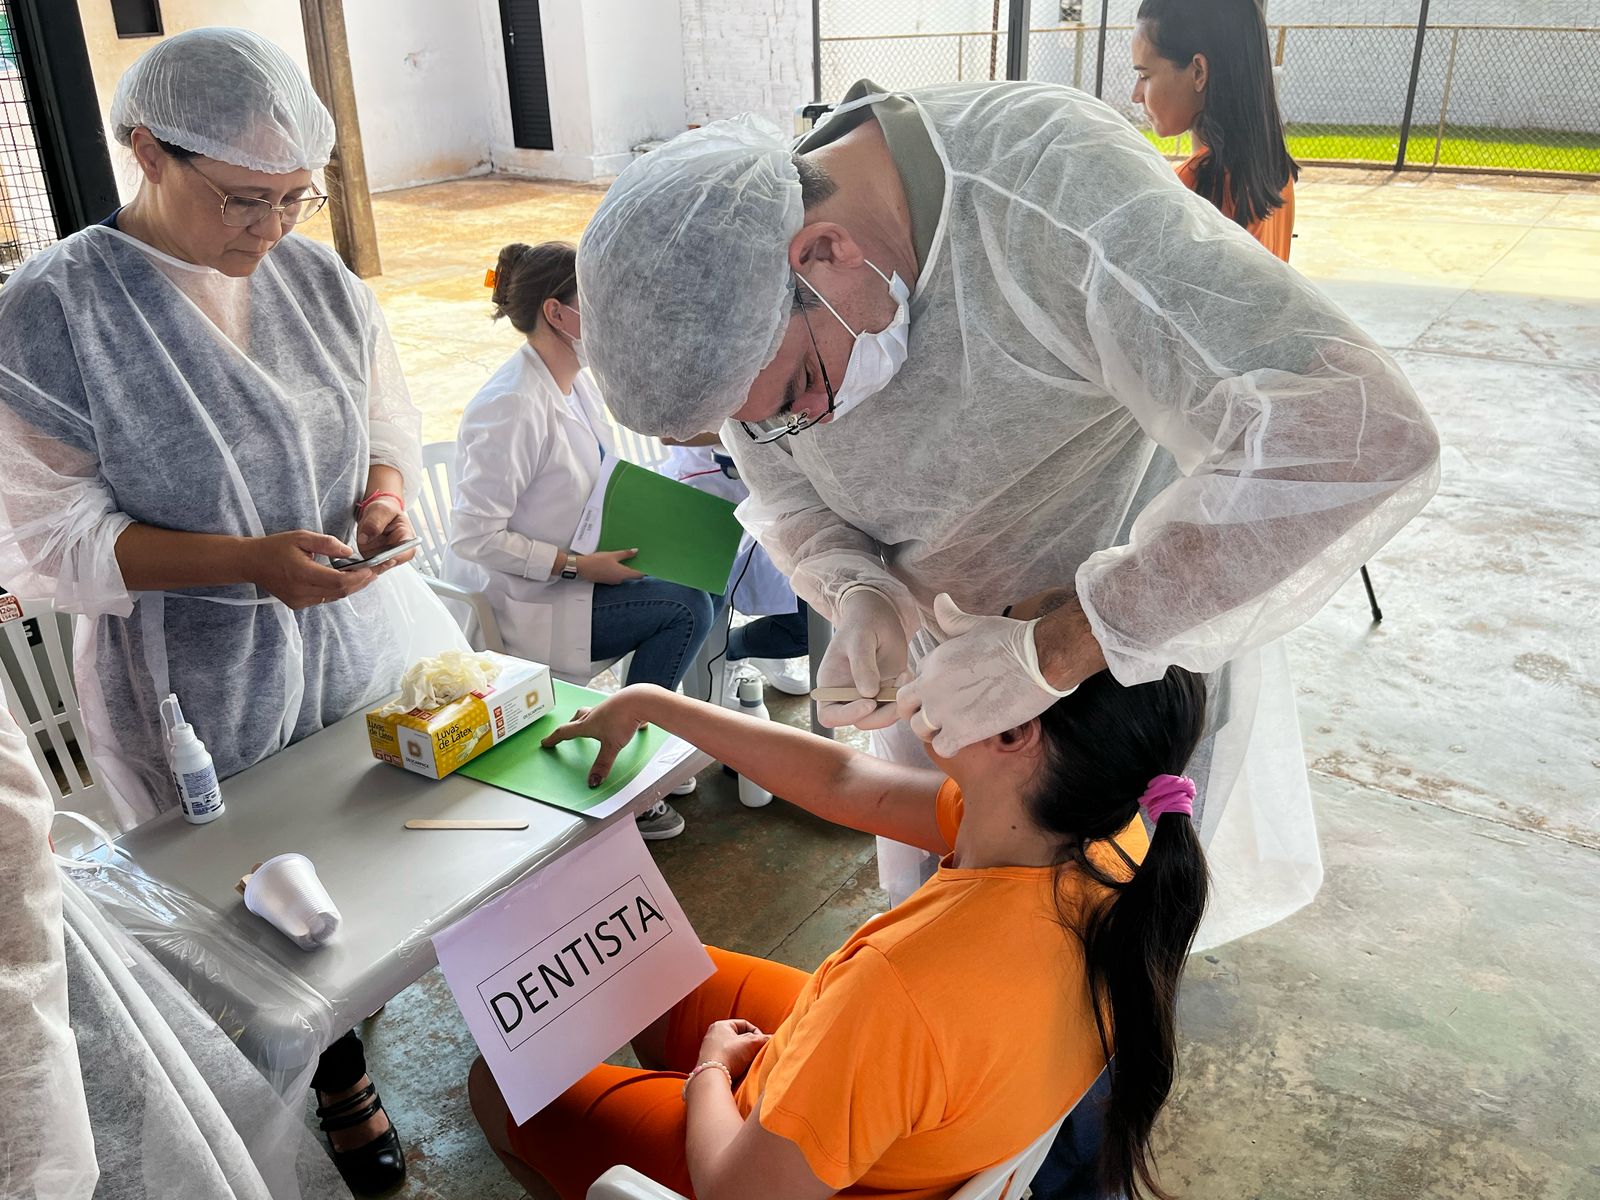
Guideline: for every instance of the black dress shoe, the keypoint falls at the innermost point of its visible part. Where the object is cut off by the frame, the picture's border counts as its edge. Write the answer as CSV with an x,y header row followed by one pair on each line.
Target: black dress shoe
x,y
377,1168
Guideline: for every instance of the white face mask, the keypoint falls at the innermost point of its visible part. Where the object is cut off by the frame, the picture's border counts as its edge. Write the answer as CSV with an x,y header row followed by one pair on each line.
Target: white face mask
x,y
876,357
576,343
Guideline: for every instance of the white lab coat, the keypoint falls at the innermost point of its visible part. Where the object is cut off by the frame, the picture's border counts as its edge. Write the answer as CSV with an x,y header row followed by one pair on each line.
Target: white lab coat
x,y
528,457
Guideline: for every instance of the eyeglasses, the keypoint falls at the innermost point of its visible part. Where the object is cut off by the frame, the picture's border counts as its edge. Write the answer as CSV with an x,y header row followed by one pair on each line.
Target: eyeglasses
x,y
781,425
239,212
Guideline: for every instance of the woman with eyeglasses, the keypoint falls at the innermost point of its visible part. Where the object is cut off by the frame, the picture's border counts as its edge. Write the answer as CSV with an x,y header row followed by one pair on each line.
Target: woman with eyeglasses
x,y
1204,68
197,412
529,454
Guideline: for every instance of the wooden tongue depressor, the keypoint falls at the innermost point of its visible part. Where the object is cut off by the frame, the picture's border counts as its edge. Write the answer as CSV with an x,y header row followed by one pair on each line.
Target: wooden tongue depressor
x,y
508,823
843,695
245,881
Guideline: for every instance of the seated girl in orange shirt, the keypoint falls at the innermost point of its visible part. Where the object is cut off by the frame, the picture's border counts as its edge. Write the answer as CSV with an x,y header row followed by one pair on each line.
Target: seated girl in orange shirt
x,y
1204,67
948,1034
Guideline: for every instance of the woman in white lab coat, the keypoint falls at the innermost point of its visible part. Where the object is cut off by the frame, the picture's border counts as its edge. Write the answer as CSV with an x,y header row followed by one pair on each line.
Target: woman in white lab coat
x,y
530,448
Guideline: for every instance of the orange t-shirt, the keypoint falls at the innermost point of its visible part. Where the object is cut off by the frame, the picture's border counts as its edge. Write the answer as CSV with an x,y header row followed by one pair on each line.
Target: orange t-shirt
x,y
1275,231
943,1037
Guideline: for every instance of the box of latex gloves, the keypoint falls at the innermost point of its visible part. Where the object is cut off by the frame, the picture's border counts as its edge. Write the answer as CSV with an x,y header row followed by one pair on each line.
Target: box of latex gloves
x,y
454,707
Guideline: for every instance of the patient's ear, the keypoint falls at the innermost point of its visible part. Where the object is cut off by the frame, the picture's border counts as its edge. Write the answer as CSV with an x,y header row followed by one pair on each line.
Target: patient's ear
x,y
1023,739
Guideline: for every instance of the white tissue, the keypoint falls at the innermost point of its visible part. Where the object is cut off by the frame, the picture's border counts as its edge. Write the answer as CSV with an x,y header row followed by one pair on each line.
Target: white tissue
x,y
431,683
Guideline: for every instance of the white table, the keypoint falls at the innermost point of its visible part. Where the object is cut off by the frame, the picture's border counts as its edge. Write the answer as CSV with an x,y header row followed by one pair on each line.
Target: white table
x,y
326,797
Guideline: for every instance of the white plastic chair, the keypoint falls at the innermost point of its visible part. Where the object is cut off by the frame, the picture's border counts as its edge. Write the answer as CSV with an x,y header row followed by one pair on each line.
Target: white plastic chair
x,y
37,679
1004,1181
431,520
640,450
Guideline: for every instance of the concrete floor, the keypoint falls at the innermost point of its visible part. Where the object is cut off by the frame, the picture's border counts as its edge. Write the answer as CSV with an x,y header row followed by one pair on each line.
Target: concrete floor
x,y
1424,1028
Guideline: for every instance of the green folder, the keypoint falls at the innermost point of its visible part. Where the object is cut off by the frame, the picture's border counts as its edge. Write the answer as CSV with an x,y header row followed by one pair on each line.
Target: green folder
x,y
682,534
560,776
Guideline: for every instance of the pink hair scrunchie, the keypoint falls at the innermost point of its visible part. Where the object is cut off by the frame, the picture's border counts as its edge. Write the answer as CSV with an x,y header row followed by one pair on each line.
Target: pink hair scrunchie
x,y
1168,794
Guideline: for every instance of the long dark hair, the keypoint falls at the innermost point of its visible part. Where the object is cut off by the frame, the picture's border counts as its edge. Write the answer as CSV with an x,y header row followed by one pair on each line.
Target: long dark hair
x,y
1246,159
526,276
1103,745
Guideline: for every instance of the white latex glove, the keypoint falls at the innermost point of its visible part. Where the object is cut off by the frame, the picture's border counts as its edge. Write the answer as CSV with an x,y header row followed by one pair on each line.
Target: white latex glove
x,y
983,678
868,651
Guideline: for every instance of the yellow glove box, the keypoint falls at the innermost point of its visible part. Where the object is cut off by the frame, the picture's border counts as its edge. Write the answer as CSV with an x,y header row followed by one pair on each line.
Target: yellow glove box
x,y
434,742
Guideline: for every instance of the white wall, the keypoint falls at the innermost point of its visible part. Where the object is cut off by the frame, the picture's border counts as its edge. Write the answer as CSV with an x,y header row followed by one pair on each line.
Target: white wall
x,y
421,87
430,75
746,56
636,82
614,71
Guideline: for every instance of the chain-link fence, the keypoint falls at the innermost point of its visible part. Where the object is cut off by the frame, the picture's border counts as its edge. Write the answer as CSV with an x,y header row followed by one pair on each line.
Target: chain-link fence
x,y
27,215
1492,97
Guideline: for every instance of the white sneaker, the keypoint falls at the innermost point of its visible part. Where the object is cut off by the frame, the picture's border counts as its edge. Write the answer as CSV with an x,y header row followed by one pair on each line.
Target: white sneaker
x,y
686,788
791,676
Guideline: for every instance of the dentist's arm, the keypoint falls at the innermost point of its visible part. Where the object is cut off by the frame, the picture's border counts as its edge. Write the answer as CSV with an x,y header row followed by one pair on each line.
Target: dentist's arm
x,y
825,778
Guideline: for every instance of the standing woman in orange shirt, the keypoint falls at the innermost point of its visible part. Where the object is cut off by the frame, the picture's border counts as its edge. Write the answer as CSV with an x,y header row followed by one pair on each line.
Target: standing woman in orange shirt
x,y
1204,68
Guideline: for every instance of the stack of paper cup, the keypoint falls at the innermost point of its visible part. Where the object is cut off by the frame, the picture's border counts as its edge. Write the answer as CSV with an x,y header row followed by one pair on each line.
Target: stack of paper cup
x,y
286,892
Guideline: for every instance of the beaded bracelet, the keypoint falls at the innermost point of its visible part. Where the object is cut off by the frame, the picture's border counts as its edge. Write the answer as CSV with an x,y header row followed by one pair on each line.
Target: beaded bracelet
x,y
705,1066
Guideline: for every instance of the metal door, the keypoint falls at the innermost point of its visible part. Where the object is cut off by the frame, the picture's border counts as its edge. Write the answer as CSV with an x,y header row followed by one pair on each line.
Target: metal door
x,y
530,97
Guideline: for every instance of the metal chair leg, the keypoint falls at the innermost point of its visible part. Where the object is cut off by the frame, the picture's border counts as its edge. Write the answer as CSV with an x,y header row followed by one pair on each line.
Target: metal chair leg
x,y
1372,597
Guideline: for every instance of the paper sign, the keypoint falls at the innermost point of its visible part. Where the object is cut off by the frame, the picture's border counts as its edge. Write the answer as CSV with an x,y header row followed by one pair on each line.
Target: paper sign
x,y
563,969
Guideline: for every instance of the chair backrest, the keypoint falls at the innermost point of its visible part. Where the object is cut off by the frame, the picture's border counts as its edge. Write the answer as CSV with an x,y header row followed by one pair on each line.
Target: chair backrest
x,y
431,511
36,657
1009,1180
638,449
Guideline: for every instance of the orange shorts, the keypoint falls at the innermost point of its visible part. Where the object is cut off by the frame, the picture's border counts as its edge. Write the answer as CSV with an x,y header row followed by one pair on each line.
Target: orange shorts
x,y
623,1115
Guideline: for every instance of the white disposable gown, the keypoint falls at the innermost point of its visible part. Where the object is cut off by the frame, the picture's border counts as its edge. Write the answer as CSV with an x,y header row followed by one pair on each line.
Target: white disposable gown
x,y
1078,310
137,387
46,1145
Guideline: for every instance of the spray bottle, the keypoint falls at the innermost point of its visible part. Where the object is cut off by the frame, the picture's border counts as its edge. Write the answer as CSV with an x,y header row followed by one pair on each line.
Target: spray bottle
x,y
751,704
194,776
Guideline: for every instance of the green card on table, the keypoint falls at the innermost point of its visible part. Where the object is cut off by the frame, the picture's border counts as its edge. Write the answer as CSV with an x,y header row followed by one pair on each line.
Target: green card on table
x,y
682,534
560,776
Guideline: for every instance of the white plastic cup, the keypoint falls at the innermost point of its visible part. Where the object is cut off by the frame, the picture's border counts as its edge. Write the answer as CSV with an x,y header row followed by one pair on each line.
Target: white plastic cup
x,y
286,893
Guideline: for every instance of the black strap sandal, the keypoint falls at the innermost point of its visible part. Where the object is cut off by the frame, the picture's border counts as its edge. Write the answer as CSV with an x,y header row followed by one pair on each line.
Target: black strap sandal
x,y
377,1168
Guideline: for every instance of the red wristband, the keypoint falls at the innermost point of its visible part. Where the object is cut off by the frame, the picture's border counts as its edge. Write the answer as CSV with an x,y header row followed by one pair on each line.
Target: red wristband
x,y
362,507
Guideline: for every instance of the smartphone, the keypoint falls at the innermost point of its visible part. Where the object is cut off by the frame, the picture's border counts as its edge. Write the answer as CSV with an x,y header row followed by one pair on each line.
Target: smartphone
x,y
382,556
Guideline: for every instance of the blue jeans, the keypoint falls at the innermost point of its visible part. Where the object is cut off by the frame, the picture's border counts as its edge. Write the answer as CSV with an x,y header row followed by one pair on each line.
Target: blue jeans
x,y
780,636
1071,1171
662,624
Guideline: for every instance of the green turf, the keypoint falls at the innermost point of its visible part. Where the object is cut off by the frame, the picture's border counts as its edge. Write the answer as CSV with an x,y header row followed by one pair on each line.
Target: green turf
x,y
1463,146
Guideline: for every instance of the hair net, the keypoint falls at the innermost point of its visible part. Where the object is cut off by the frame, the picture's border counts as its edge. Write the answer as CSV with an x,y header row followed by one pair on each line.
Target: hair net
x,y
683,275
228,94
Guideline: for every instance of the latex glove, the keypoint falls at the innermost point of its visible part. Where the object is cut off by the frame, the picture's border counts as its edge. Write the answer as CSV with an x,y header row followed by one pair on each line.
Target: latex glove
x,y
868,651
982,679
